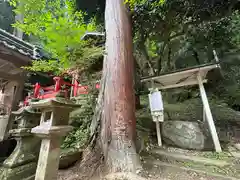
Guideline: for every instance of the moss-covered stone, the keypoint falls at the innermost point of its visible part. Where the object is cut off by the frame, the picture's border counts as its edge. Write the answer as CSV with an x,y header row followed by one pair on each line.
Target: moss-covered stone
x,y
192,110
21,164
226,119
187,135
20,172
69,157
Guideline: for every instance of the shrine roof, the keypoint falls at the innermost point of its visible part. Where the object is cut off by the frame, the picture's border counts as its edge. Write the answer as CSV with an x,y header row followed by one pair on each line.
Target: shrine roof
x,y
12,42
93,35
14,54
181,77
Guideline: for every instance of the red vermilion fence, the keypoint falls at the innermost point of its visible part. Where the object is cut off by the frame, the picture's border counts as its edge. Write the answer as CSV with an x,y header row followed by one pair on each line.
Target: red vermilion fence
x,y
52,91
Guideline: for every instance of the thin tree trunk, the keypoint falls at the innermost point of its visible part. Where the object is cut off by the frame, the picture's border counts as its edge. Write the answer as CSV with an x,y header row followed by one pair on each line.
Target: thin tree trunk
x,y
118,123
159,62
18,32
137,84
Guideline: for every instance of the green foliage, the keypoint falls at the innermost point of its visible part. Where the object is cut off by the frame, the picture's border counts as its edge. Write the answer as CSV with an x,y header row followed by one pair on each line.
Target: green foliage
x,y
152,48
154,3
45,66
59,28
177,28
76,139
234,28
217,156
6,16
80,120
229,88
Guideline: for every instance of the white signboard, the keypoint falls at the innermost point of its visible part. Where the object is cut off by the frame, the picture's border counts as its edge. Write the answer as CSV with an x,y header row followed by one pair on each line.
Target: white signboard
x,y
156,106
155,101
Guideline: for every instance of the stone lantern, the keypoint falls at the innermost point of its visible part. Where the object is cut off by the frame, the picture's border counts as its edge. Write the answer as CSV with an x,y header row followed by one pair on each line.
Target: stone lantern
x,y
22,163
53,126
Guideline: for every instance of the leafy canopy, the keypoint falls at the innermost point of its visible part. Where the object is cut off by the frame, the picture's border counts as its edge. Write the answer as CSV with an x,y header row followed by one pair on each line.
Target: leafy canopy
x,y
168,32
154,3
6,16
235,28
59,28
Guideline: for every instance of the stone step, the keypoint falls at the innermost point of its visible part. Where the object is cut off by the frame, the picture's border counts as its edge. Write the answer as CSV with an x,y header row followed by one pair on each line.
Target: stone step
x,y
163,165
185,158
30,178
2,159
236,154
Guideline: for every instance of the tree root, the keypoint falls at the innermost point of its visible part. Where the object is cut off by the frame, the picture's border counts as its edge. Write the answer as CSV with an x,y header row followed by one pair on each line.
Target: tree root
x,y
123,176
90,166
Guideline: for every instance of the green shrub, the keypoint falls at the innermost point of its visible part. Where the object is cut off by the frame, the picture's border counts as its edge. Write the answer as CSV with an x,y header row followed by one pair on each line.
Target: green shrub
x,y
80,119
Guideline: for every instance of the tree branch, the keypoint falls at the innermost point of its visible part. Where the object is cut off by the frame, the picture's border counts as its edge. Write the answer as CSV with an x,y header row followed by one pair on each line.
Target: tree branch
x,y
159,63
145,53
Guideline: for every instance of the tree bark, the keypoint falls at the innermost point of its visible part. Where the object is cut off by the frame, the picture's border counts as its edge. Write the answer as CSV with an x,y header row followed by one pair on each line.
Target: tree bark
x,y
114,124
118,123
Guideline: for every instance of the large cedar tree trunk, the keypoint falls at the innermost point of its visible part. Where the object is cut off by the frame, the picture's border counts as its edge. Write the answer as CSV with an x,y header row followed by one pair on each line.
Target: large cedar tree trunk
x,y
113,128
118,124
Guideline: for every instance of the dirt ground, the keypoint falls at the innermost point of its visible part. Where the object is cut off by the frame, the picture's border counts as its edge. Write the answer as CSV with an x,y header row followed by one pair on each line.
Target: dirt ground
x,y
171,173
153,173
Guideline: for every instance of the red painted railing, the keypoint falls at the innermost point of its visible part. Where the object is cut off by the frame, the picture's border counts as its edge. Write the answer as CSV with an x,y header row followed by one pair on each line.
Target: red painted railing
x,y
52,91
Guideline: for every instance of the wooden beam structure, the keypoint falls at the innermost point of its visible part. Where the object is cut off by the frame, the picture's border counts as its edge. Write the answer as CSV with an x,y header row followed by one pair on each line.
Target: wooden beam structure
x,y
208,115
189,77
185,77
4,75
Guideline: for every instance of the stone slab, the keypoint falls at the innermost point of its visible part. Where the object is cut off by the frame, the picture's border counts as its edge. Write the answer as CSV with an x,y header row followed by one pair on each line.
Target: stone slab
x,y
210,174
68,159
30,178
42,131
3,126
235,154
55,102
196,159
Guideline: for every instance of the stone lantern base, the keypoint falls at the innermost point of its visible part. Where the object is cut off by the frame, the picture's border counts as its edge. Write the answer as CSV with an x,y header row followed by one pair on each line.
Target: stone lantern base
x,y
24,172
22,163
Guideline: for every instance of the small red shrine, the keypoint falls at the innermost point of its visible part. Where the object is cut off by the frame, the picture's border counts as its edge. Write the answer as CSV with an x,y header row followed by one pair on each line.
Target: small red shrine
x,y
60,86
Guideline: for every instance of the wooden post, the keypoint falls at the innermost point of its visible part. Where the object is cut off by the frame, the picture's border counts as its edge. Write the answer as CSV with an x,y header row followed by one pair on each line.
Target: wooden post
x,y
72,87
204,115
16,96
10,98
215,56
209,115
158,134
157,125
